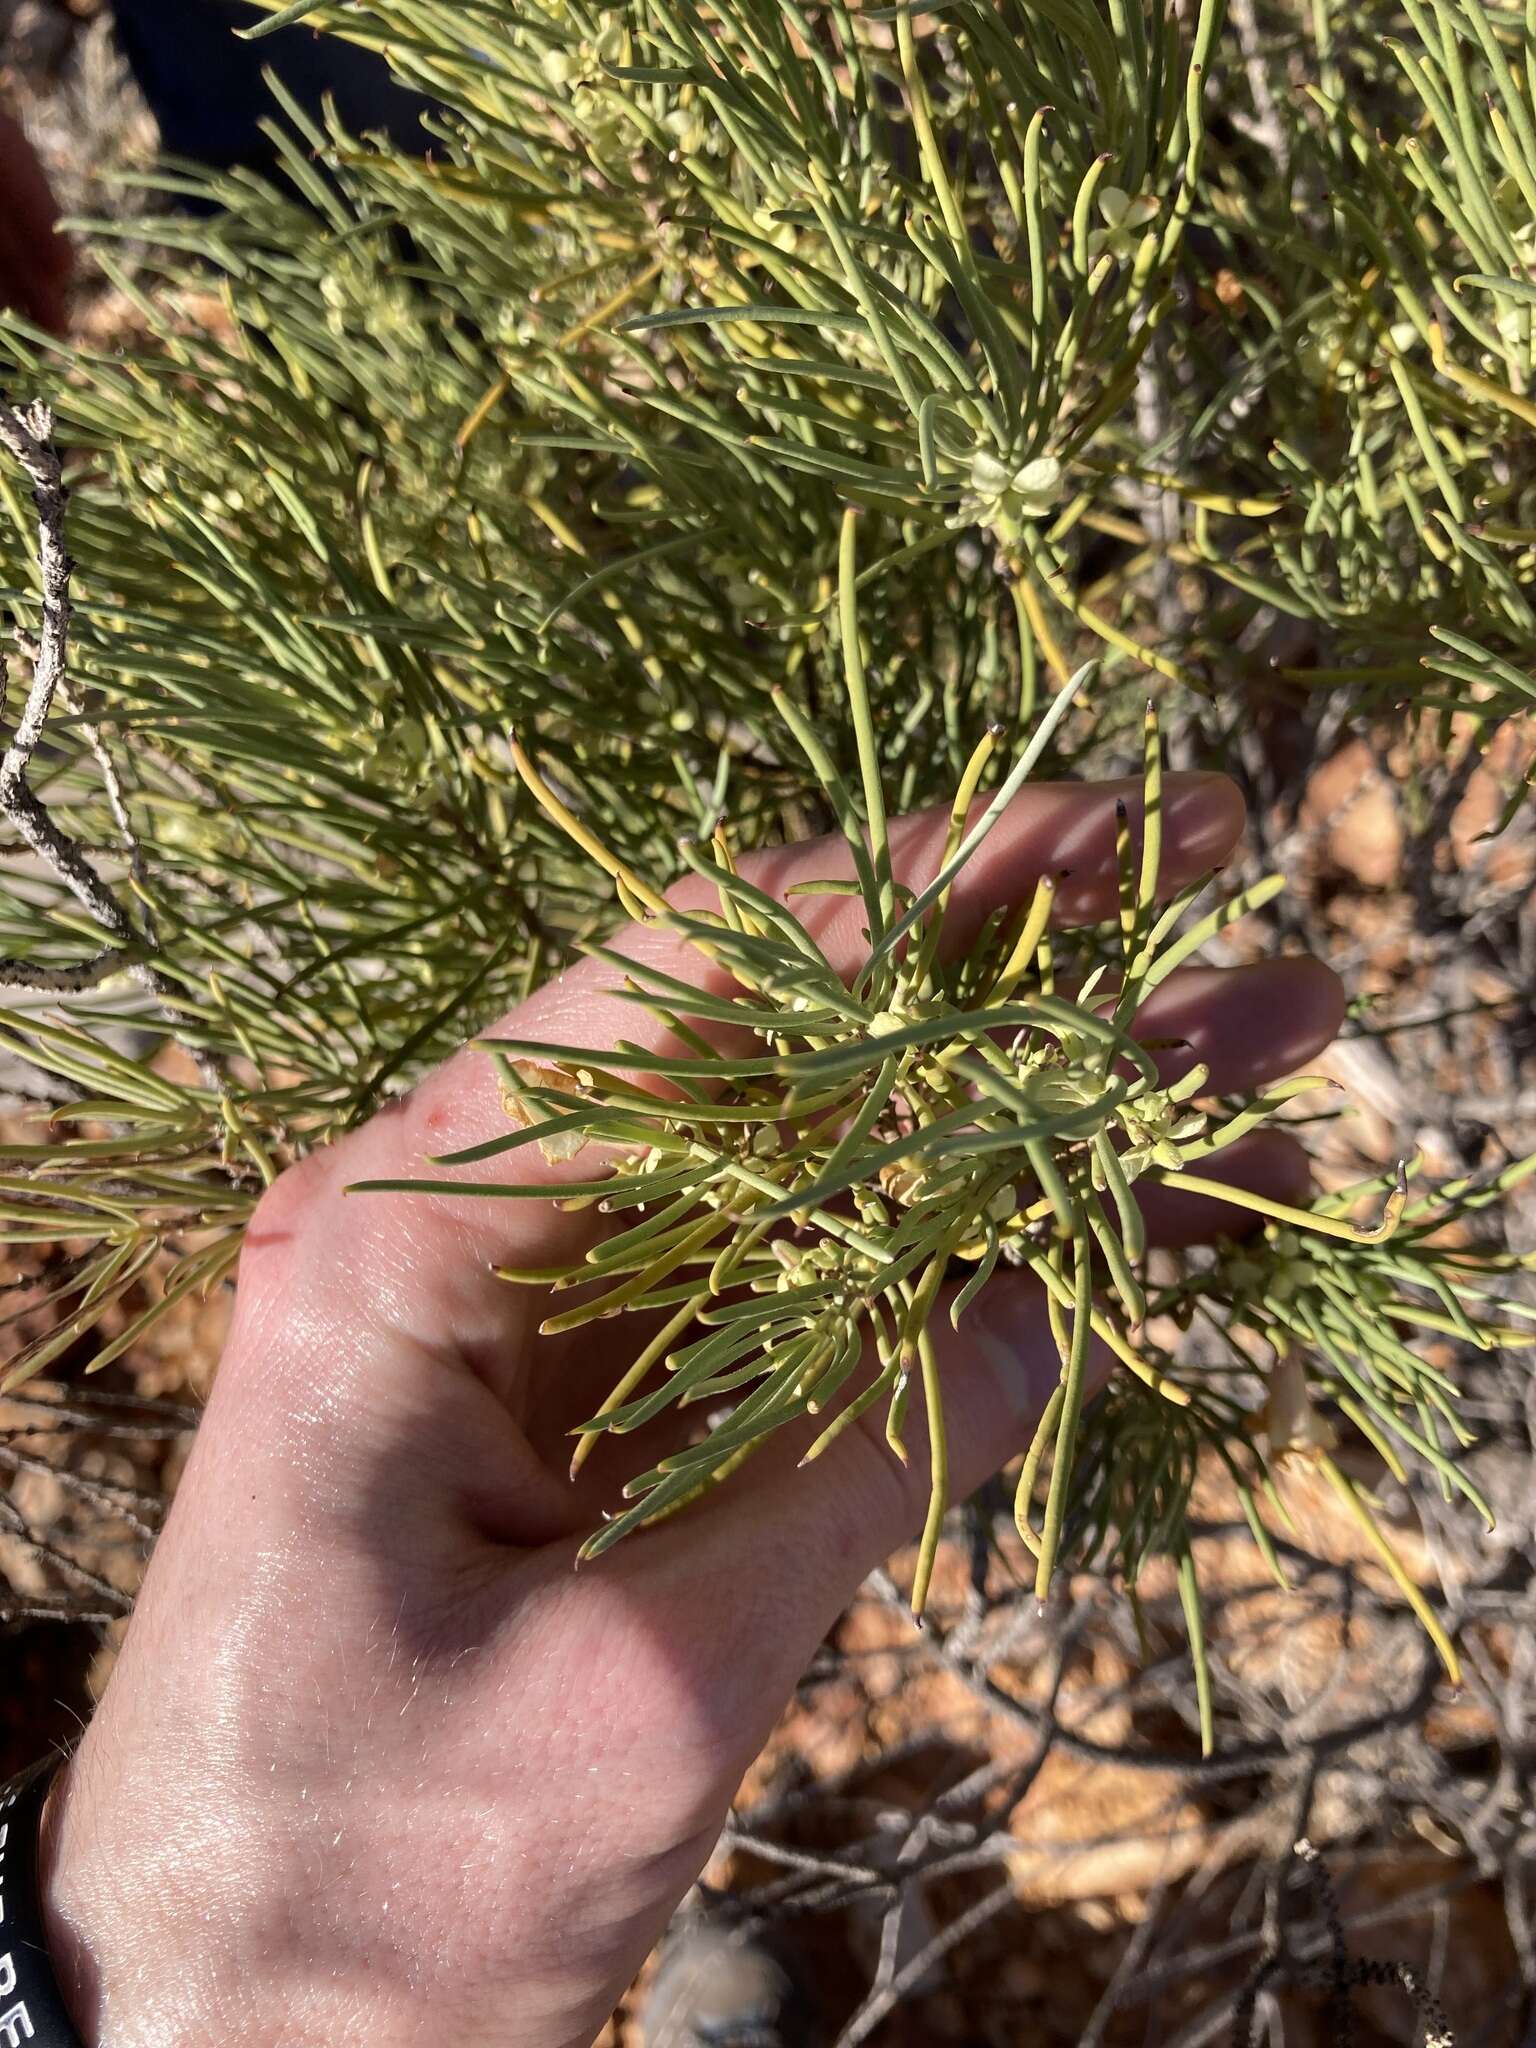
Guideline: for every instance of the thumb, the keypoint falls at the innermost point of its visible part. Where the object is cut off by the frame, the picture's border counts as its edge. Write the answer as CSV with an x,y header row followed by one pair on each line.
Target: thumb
x,y
797,1544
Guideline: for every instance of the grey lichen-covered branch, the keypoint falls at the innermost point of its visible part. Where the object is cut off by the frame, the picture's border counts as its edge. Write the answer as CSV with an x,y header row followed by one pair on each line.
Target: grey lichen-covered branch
x,y
26,432
62,981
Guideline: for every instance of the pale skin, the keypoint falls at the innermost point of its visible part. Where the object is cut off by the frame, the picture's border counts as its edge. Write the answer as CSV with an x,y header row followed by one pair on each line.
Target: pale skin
x,y
377,1765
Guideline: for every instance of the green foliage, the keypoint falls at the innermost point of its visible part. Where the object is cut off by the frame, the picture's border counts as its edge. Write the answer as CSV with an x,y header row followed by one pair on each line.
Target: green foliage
x,y
1200,346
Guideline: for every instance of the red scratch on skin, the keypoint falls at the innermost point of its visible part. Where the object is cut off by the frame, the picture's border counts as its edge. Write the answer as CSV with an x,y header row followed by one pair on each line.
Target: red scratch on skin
x,y
261,1241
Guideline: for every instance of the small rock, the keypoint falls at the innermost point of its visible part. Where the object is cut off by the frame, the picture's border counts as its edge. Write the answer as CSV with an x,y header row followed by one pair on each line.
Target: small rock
x,y
717,1989
1351,803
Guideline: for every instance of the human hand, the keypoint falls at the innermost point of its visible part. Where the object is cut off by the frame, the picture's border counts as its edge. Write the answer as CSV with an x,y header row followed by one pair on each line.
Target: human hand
x,y
376,1765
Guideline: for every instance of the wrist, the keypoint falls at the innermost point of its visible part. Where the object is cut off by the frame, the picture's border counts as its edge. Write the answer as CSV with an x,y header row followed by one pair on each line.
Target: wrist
x,y
73,1962
173,1920
140,1963
32,2005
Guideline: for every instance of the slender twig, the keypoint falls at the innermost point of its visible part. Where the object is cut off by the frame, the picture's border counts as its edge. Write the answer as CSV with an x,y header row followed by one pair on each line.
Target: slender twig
x,y
122,1503
26,432
879,2004
66,981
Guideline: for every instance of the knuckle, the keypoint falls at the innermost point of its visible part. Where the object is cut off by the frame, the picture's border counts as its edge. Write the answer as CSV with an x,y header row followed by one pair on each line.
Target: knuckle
x,y
286,1214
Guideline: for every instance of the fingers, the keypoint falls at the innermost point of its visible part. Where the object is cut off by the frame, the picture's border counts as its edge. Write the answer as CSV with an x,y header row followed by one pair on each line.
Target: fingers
x,y
1050,828
1249,1025
1269,1163
1063,829
1246,1024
